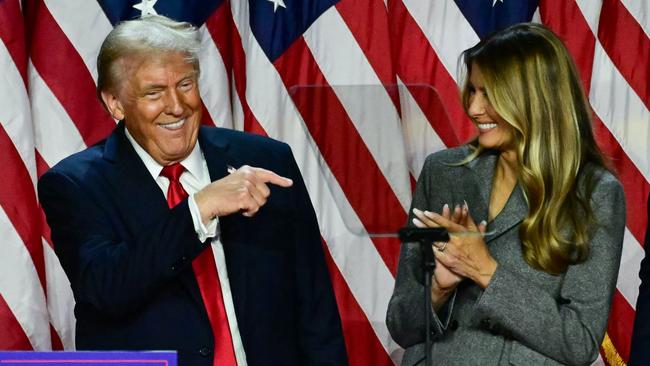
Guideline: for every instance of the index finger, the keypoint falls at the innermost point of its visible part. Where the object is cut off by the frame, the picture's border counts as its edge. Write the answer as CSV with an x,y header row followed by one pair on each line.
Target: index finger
x,y
267,176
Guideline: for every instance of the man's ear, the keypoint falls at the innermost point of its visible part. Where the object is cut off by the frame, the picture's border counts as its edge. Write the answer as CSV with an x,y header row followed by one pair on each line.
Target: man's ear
x,y
113,104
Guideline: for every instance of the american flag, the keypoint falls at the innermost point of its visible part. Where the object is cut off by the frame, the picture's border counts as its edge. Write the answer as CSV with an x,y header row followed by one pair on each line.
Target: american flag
x,y
362,90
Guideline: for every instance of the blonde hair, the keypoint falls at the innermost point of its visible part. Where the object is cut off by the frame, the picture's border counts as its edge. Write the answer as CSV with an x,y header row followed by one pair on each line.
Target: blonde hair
x,y
532,83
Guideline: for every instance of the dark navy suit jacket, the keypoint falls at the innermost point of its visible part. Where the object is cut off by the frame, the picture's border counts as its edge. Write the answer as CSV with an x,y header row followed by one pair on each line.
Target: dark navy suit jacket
x,y
640,352
128,257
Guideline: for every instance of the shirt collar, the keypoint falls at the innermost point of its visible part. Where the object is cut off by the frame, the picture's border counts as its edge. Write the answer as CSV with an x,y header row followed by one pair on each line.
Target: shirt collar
x,y
192,163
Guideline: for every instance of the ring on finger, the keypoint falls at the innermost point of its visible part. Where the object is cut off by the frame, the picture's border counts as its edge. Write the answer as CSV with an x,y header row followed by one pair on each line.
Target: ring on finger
x,y
443,246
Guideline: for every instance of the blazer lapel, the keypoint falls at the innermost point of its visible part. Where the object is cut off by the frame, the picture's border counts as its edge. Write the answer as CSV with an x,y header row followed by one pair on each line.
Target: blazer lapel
x,y
515,209
482,169
514,212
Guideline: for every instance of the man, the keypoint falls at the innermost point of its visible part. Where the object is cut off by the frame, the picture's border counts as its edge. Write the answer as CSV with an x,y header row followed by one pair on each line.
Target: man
x,y
640,350
170,239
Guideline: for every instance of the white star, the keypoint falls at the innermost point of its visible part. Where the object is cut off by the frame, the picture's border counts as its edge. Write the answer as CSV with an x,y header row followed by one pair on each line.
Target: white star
x,y
277,3
495,2
146,7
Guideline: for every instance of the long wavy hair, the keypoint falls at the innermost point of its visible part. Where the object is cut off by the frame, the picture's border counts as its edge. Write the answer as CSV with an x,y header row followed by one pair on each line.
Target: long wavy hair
x,y
531,81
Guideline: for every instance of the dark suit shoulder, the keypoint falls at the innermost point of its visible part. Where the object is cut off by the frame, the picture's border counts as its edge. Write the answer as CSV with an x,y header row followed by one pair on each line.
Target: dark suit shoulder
x,y
240,137
80,162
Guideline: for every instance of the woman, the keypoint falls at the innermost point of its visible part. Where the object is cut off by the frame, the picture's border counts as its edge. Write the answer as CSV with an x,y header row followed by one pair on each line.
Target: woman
x,y
537,220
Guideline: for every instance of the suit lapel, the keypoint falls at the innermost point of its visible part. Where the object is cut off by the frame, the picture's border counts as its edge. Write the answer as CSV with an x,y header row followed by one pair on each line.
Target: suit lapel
x,y
217,152
132,184
134,187
515,209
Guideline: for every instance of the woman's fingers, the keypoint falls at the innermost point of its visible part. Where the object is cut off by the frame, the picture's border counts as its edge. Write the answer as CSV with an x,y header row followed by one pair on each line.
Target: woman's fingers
x,y
424,218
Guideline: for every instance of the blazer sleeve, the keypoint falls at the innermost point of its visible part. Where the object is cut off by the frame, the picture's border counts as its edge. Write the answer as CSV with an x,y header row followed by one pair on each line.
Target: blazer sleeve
x,y
640,350
570,328
320,332
108,270
406,319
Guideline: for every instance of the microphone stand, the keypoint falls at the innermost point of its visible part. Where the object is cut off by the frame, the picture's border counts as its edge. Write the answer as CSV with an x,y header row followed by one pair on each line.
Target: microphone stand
x,y
425,236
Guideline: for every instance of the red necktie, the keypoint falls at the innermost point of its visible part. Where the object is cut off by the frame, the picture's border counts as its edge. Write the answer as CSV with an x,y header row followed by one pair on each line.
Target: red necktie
x,y
205,271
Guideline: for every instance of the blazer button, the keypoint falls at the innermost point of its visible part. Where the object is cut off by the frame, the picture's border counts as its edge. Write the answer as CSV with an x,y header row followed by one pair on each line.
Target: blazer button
x,y
453,325
486,323
204,351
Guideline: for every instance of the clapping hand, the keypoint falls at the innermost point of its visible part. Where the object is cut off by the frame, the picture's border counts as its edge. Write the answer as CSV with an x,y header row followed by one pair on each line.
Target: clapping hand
x,y
444,280
466,253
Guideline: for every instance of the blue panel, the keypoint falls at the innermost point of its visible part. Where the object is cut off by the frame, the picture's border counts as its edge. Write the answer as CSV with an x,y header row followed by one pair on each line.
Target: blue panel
x,y
193,11
487,16
276,30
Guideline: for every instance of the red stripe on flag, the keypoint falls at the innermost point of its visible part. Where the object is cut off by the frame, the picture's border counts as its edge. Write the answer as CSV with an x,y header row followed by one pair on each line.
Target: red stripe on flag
x,y
360,339
619,327
12,336
19,202
417,63
41,164
13,36
205,116
226,37
368,22
627,45
568,22
341,146
66,75
57,345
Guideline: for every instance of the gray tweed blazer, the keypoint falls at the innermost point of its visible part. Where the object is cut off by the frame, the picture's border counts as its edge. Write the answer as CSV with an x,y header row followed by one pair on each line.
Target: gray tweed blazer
x,y
524,316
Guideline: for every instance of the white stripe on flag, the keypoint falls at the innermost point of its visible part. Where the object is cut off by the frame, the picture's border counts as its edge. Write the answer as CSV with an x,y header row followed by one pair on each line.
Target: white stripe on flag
x,y
55,135
213,81
14,111
421,139
621,110
440,20
591,11
25,298
363,97
628,281
60,301
85,25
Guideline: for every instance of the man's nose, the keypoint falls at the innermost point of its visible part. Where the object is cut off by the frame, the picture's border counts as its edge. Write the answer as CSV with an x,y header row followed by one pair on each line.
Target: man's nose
x,y
173,104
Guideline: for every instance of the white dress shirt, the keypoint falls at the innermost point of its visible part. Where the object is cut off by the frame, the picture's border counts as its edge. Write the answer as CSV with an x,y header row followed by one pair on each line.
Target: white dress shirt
x,y
195,177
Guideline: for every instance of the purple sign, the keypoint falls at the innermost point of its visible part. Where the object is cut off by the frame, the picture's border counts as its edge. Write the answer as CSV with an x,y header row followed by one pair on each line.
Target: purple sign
x,y
163,358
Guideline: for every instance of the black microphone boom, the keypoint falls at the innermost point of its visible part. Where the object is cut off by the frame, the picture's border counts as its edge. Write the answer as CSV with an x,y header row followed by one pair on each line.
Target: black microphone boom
x,y
417,234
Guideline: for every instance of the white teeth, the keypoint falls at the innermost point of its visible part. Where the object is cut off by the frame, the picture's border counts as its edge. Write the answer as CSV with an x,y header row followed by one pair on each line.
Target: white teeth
x,y
486,126
174,125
